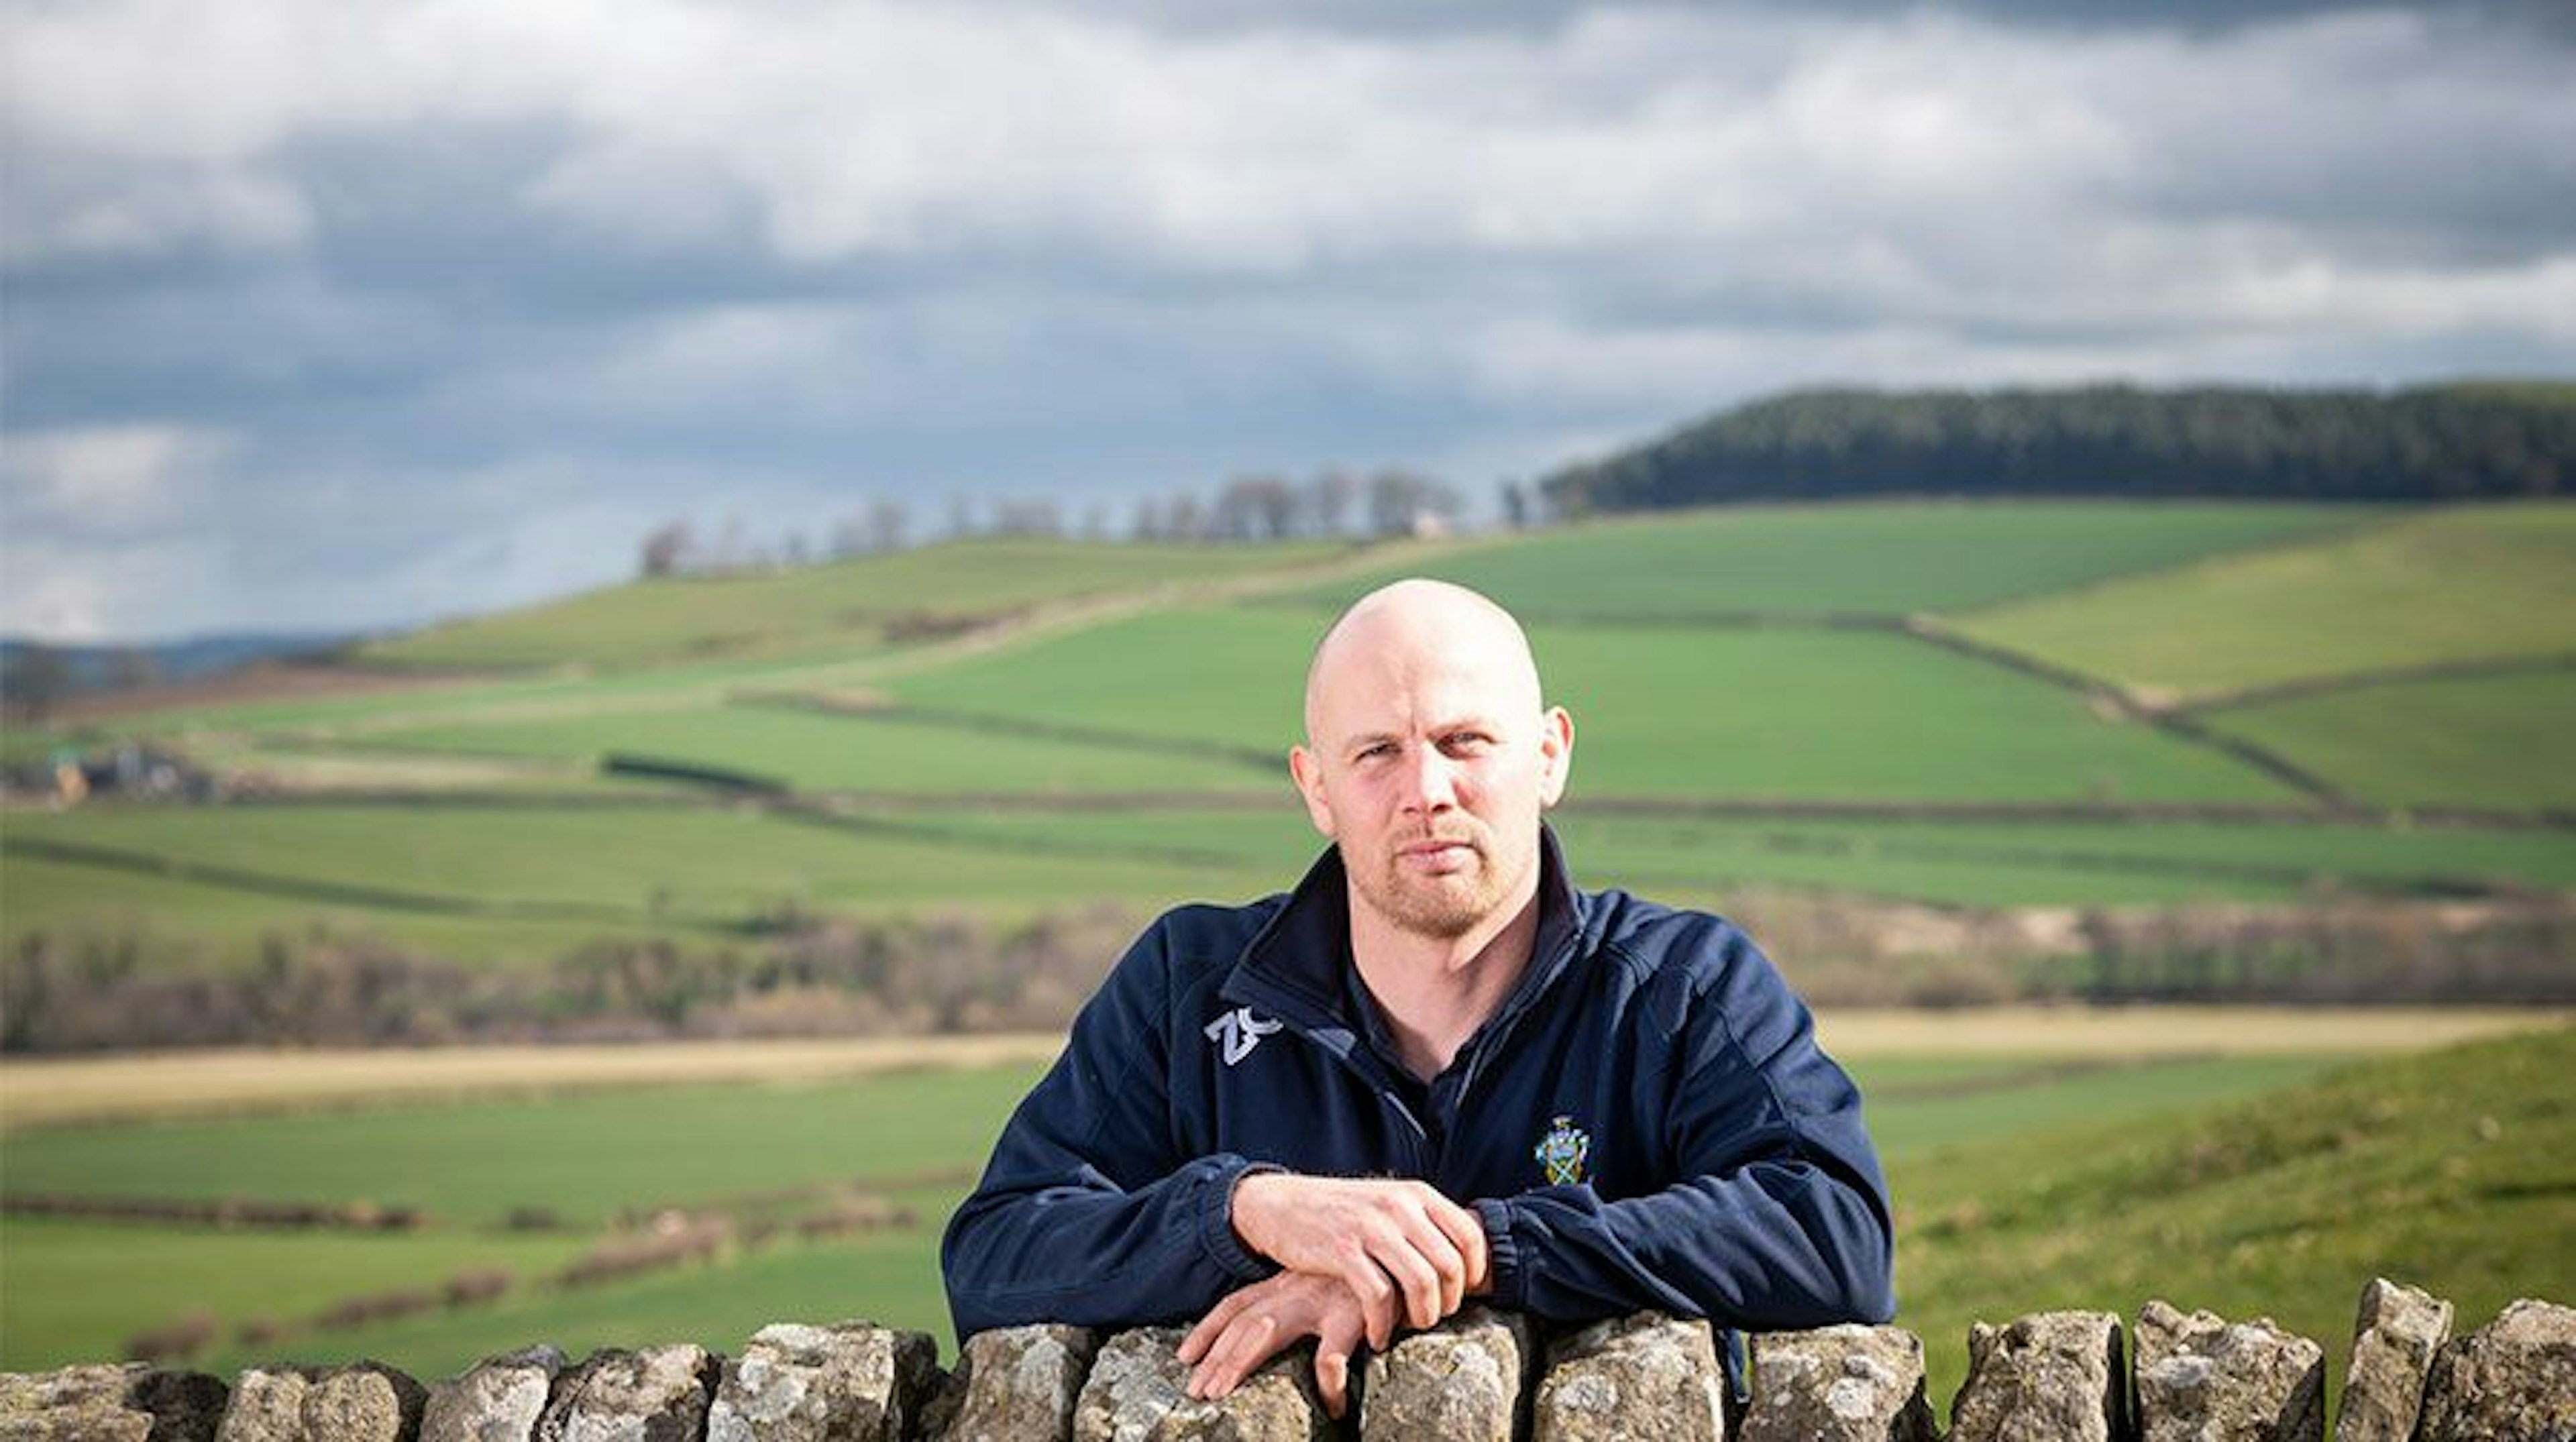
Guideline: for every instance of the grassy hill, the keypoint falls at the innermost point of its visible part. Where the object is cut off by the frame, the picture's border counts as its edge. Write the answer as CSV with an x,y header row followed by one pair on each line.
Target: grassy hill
x,y
2442,587
843,607
1767,699
2452,1170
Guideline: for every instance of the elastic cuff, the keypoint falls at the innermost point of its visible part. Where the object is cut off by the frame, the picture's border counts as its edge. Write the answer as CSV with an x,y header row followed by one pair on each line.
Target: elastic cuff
x,y
1216,1217
1504,1284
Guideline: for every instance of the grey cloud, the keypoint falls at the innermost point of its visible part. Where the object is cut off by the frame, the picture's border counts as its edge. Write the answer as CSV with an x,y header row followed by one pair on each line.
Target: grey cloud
x,y
472,310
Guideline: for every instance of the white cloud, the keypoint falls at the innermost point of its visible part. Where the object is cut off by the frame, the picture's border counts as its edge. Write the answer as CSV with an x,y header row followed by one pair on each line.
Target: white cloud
x,y
139,479
439,270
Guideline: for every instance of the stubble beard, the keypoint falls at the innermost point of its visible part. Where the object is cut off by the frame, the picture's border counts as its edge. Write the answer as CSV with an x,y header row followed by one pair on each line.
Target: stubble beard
x,y
1443,907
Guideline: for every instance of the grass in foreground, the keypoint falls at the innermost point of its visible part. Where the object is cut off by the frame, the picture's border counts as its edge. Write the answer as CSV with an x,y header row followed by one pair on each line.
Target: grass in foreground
x,y
918,1137
2452,1170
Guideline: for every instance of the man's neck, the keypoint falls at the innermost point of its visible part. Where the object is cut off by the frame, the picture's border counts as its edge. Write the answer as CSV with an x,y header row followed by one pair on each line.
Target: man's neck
x,y
1434,991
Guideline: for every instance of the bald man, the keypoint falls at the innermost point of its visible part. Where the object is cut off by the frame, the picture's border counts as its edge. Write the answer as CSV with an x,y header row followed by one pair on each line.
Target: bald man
x,y
1434,1071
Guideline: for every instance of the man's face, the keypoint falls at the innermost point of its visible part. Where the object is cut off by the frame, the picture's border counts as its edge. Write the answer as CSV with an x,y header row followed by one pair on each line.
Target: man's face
x,y
1430,762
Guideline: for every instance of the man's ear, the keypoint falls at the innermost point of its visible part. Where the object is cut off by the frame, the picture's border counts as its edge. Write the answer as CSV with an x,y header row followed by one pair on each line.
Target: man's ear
x,y
1308,772
1556,754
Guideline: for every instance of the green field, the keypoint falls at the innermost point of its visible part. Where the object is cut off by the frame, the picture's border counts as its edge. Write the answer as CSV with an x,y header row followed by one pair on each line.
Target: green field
x,y
2244,1183
2501,741
1122,744
846,606
2469,583
1883,558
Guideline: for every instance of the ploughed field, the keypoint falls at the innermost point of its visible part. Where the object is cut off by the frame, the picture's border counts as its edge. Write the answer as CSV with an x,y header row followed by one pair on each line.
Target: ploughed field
x,y
2037,1159
1956,704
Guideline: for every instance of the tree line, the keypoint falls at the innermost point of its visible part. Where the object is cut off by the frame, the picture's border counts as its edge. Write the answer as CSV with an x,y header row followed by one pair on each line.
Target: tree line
x,y
2432,443
1332,504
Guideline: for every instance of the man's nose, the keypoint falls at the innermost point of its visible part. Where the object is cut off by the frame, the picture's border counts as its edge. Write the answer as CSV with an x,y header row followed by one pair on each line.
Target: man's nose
x,y
1434,782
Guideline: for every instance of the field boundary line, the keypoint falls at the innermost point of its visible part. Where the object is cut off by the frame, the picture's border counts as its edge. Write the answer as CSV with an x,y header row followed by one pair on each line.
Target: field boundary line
x,y
296,888
2395,513
45,1092
2304,687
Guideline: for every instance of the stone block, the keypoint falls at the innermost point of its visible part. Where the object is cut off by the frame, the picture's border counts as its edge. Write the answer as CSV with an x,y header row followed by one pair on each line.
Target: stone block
x,y
658,1394
500,1400
1462,1381
1015,1384
2204,1379
1644,1376
1838,1384
2395,1336
362,1402
2047,1377
1139,1392
2512,1380
854,1382
110,1401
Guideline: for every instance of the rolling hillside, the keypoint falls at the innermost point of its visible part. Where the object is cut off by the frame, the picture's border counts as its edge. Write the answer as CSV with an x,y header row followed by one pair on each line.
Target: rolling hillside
x,y
1989,705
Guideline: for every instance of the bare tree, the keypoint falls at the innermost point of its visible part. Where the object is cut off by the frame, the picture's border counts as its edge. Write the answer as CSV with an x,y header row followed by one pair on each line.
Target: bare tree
x,y
665,549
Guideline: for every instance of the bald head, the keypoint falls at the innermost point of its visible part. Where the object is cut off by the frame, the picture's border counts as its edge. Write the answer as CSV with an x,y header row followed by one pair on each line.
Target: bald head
x,y
1428,760
1402,629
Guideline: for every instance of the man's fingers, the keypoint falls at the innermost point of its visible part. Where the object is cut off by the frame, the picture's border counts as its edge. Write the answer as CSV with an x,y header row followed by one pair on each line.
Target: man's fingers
x,y
1245,1346
1333,1346
1414,1275
1333,1380
1466,1231
1213,1325
1377,1300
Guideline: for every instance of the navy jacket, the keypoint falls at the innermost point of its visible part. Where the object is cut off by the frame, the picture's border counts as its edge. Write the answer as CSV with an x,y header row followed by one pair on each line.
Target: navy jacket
x,y
1645,1122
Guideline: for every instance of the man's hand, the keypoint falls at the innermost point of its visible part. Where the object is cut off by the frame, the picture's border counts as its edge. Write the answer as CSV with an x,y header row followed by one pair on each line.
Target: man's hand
x,y
1259,1322
1388,1242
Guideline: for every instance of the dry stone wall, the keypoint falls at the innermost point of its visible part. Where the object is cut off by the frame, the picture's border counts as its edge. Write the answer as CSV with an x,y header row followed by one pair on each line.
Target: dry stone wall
x,y
1482,1377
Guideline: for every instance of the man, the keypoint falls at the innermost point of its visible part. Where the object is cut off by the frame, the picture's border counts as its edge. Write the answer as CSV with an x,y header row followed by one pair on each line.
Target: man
x,y
1435,1070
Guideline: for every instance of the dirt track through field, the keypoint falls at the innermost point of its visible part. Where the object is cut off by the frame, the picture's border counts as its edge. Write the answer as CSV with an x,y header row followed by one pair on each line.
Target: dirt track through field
x,y
47,1093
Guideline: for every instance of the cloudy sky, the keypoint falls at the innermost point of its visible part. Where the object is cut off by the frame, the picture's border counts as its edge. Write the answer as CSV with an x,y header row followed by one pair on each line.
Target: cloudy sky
x,y
333,313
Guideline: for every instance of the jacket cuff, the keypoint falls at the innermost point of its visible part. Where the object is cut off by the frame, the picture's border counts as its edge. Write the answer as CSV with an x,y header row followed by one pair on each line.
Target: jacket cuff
x,y
1216,1217
1504,1285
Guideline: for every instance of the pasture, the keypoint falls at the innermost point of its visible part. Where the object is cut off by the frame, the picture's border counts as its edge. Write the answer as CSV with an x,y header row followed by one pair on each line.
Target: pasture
x,y
2036,1158
2444,586
1765,699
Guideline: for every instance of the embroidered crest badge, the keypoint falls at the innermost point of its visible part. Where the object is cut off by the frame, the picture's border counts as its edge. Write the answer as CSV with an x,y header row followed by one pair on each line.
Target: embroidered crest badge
x,y
1561,1153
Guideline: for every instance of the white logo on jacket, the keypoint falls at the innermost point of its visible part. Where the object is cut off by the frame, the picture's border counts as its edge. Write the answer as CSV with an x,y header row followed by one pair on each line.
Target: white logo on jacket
x,y
1237,1032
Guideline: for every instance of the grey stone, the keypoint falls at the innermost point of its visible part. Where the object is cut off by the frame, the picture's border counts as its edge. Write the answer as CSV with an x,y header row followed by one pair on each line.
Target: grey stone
x,y
267,1406
1015,1384
1838,1384
854,1382
363,1402
2395,1336
1459,1382
1645,1376
2512,1380
500,1400
1139,1392
2204,1379
658,1394
2047,1377
134,1399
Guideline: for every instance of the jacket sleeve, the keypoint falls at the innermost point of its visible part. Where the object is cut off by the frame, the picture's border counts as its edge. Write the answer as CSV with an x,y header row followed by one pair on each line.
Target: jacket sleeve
x,y
1087,1213
1777,1217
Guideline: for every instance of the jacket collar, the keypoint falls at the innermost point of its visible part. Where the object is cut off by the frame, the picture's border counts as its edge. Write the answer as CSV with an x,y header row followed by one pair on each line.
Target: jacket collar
x,y
1298,966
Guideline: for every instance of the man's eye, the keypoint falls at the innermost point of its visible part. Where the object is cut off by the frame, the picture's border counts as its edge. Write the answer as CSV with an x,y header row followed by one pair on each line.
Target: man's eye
x,y
1467,742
